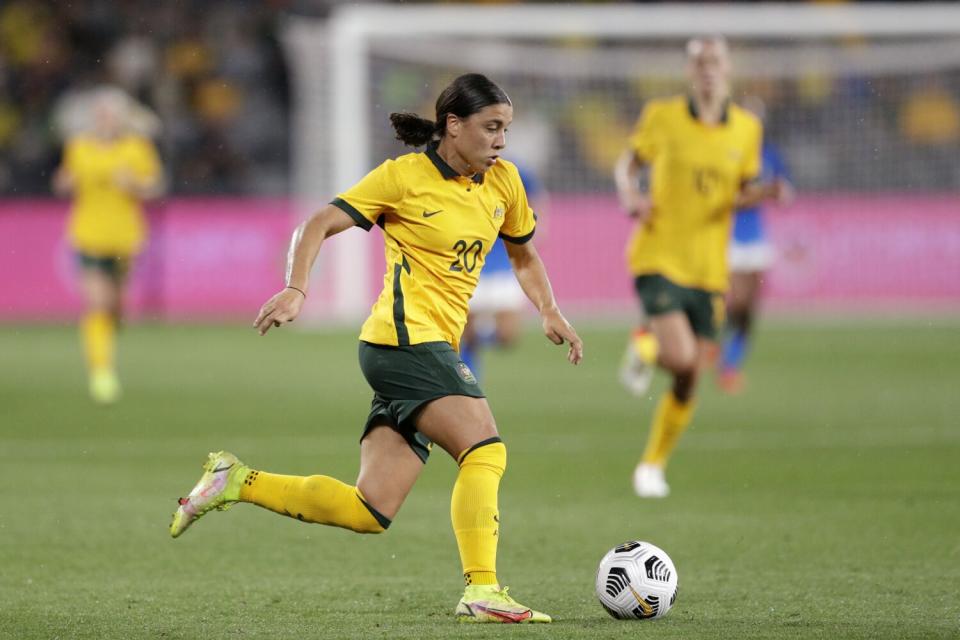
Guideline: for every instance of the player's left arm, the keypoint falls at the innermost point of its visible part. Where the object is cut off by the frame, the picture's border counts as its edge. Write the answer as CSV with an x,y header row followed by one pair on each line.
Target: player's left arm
x,y
143,178
533,279
753,191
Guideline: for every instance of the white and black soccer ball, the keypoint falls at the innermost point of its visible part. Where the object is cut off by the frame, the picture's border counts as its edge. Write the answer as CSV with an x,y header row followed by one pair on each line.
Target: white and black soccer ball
x,y
637,580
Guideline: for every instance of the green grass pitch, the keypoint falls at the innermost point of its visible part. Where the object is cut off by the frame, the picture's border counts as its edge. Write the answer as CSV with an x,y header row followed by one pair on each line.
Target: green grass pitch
x,y
823,503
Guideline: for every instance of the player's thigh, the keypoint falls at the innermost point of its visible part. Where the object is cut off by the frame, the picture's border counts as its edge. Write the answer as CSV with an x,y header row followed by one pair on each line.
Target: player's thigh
x,y
456,423
706,353
754,282
678,343
388,469
738,296
509,323
744,286
100,289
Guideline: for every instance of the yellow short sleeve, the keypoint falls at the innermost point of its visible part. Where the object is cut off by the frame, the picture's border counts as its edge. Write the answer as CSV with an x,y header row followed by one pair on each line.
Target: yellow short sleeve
x,y
752,159
519,221
145,162
645,139
379,192
70,152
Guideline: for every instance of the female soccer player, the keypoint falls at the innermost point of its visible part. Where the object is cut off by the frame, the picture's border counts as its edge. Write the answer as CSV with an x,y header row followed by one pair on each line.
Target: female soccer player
x,y
704,157
440,211
109,171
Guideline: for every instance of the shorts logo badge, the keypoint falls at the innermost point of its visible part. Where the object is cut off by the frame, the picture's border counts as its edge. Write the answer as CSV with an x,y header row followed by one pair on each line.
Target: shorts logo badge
x,y
464,371
663,300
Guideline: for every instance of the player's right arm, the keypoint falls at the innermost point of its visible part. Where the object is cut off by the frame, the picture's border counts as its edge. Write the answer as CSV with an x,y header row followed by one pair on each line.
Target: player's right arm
x,y
63,182
643,145
305,245
380,191
626,173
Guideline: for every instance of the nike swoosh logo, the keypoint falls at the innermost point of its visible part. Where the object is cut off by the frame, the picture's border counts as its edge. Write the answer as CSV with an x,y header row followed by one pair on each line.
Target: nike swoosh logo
x,y
219,469
644,606
430,214
506,616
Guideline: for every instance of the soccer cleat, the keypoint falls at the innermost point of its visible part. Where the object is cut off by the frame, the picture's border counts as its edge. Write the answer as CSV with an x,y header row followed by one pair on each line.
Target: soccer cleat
x,y
104,386
649,482
490,603
218,488
635,374
731,381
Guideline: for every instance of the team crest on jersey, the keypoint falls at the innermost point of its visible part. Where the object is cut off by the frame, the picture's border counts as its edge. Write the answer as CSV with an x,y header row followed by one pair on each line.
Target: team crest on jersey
x,y
498,212
465,373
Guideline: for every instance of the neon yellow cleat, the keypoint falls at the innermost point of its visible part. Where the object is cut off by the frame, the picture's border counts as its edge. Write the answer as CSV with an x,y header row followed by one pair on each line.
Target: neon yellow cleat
x,y
218,488
104,386
490,603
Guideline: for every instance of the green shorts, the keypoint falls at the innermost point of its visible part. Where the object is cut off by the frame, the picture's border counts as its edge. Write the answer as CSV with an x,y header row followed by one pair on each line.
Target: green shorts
x,y
116,267
404,379
704,309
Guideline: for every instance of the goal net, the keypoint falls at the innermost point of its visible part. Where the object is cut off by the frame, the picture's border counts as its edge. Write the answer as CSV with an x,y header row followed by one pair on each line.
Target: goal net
x,y
862,103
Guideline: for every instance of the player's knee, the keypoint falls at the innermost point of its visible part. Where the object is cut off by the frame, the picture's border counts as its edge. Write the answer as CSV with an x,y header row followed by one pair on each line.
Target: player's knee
x,y
373,520
679,361
490,454
508,333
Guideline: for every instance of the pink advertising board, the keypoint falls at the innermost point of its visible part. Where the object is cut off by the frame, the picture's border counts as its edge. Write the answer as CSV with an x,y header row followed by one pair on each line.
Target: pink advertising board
x,y
206,258
221,258
835,250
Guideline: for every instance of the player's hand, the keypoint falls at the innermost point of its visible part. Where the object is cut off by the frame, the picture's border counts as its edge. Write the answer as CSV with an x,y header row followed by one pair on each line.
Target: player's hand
x,y
558,331
637,205
783,192
283,307
125,181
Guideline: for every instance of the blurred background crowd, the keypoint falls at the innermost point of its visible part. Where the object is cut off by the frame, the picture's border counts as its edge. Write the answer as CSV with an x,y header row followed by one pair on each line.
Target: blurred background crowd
x,y
211,70
214,72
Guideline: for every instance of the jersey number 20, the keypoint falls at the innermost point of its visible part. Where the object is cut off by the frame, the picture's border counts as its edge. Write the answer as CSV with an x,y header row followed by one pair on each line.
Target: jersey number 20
x,y
467,255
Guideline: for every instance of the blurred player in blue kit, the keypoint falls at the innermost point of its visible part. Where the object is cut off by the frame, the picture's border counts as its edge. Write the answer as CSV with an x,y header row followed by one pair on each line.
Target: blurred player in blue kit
x,y
750,256
496,308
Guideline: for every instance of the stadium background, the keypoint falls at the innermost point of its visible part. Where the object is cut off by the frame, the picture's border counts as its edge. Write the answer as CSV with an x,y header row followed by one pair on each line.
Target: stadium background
x,y
823,503
869,127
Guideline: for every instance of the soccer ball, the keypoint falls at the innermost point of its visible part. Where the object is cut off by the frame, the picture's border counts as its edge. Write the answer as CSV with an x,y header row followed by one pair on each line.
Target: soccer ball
x,y
637,580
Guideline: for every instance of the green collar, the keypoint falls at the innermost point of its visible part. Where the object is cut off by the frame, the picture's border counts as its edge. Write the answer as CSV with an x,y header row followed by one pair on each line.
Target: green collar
x,y
445,169
695,113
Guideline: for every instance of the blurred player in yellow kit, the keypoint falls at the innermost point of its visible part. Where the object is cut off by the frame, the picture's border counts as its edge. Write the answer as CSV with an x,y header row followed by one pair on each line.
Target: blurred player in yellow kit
x,y
703,153
108,170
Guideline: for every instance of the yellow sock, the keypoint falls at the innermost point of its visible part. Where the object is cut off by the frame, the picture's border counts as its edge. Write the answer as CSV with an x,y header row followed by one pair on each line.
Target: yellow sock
x,y
645,345
669,421
98,330
473,509
319,499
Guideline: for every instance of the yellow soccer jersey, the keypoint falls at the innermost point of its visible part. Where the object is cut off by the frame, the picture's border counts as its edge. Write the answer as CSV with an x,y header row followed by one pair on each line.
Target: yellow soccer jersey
x,y
696,174
438,227
106,220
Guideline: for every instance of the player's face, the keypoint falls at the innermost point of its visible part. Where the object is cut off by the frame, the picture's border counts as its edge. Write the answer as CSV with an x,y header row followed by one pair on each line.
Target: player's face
x,y
480,138
108,118
709,68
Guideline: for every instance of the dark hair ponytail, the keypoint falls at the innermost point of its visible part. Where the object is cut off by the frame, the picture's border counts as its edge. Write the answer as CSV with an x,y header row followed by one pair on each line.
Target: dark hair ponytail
x,y
412,130
463,97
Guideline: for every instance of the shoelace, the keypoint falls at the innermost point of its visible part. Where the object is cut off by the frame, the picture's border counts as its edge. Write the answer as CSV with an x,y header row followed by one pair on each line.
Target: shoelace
x,y
503,593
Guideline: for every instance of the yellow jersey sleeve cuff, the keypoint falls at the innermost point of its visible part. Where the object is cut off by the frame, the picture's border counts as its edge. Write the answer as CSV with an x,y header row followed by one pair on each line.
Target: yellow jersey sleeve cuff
x,y
362,221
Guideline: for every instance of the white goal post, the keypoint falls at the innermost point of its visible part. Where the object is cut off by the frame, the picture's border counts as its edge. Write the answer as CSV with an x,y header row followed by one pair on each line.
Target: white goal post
x,y
332,79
